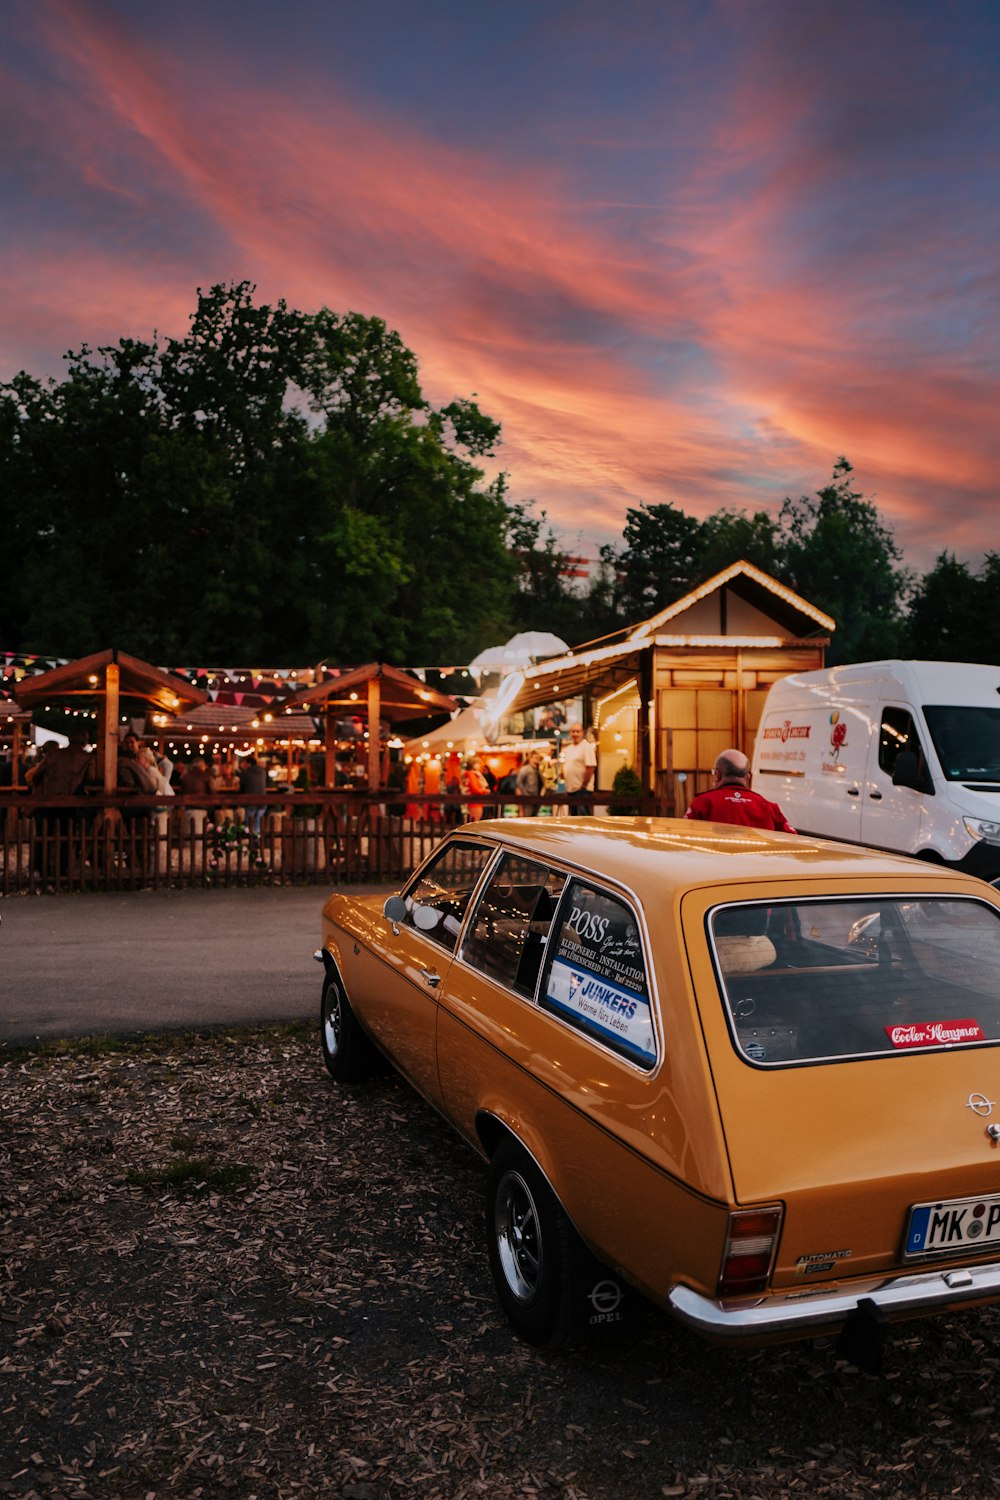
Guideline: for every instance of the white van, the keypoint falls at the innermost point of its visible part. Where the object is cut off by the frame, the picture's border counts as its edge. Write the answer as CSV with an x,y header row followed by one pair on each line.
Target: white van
x,y
900,755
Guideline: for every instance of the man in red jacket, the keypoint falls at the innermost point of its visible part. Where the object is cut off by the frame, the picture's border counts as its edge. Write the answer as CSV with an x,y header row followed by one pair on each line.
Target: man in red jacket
x,y
731,800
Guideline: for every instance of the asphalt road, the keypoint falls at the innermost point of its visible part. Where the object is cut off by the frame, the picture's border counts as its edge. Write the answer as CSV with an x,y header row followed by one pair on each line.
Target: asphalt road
x,y
141,961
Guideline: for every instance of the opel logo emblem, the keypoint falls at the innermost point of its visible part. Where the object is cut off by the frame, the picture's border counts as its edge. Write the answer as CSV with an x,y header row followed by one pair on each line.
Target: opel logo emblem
x,y
979,1104
605,1297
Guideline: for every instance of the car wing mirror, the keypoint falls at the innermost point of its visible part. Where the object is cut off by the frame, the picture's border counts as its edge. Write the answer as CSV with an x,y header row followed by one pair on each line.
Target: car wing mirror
x,y
395,910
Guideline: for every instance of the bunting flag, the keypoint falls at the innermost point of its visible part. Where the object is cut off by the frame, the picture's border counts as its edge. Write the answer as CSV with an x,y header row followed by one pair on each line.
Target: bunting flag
x,y
249,686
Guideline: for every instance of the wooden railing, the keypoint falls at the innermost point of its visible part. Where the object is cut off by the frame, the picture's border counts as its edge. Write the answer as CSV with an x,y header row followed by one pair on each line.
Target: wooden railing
x,y
329,838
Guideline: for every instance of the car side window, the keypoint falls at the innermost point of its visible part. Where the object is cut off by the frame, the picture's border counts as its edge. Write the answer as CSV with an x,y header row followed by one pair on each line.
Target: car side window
x,y
595,976
437,903
512,921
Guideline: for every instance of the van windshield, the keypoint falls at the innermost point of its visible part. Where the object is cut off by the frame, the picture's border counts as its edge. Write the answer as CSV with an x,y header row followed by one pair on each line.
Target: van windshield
x,y
967,741
809,980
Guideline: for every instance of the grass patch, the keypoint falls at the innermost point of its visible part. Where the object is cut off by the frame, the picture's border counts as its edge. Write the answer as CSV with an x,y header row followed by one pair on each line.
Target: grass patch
x,y
157,1042
194,1175
183,1142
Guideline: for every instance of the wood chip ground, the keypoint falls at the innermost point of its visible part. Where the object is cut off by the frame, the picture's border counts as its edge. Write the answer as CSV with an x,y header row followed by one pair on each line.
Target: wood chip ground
x,y
221,1274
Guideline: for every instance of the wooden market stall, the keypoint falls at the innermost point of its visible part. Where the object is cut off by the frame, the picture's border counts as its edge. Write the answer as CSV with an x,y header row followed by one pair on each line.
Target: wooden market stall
x,y
104,685
15,726
381,694
667,695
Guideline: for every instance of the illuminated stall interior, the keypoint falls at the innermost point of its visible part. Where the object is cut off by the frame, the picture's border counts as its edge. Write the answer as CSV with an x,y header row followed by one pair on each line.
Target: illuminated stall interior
x,y
229,732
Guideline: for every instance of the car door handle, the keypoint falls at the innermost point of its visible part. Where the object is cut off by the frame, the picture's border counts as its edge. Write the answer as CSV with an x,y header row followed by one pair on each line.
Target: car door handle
x,y
875,796
853,791
433,979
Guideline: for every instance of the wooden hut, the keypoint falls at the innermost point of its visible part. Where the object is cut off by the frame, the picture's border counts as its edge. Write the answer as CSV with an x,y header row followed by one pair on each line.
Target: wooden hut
x,y
667,695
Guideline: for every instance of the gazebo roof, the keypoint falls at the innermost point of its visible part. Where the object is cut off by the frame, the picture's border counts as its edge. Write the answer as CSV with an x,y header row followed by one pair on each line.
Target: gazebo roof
x,y
400,695
231,724
84,679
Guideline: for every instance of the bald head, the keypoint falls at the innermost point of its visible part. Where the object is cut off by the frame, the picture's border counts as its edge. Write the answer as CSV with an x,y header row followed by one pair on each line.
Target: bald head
x,y
732,765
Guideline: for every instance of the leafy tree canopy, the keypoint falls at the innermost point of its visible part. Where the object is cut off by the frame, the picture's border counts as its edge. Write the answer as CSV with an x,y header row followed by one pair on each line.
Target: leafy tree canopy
x,y
272,486
838,554
955,613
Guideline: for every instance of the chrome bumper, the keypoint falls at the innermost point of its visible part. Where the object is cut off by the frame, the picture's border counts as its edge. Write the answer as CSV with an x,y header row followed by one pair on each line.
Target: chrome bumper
x,y
791,1313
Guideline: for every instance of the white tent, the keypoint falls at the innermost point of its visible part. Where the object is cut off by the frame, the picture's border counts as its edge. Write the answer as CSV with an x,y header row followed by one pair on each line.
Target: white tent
x,y
466,732
519,651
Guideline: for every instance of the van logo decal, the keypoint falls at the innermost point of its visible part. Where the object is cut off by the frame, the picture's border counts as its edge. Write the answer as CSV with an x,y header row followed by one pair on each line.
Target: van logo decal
x,y
788,731
979,1104
838,733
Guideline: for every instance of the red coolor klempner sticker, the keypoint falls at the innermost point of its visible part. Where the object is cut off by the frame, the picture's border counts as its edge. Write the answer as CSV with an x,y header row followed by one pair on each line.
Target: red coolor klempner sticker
x,y
935,1033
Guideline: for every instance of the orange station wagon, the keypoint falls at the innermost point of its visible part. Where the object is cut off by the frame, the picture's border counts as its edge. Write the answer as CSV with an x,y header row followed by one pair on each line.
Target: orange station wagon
x,y
754,1077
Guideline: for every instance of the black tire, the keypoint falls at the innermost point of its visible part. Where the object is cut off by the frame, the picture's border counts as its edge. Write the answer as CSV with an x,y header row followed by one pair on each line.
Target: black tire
x,y
531,1247
347,1052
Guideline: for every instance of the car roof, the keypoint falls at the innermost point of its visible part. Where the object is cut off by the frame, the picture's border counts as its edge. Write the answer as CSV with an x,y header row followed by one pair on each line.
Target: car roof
x,y
682,853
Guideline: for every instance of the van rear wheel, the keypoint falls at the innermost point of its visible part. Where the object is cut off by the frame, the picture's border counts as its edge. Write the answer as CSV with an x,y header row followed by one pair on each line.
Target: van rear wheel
x,y
531,1244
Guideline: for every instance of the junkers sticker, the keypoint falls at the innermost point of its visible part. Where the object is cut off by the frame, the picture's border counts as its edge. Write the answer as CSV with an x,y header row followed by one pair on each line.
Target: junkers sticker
x,y
755,1051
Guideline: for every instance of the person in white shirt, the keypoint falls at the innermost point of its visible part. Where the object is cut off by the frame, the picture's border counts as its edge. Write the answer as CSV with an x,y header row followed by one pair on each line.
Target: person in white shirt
x,y
579,768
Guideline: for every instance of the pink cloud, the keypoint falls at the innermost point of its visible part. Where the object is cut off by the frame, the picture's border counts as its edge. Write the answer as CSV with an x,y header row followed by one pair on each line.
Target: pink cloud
x,y
709,361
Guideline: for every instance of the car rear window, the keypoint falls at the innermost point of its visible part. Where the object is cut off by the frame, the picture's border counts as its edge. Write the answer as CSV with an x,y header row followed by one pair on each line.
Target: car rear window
x,y
809,980
595,977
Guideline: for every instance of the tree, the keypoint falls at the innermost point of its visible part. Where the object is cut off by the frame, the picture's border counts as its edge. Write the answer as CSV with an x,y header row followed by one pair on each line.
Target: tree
x,y
954,614
730,536
659,562
272,486
941,623
544,600
401,514
840,556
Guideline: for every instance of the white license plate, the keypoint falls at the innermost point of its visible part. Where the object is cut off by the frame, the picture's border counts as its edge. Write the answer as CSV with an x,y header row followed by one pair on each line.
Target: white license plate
x,y
959,1224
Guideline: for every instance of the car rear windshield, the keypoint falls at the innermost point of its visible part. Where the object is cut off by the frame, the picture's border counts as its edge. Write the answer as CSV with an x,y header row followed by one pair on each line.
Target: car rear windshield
x,y
808,980
967,741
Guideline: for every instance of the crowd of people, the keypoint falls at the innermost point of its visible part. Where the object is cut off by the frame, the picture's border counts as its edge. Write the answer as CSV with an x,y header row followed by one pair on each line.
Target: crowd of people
x,y
560,782
568,766
540,778
71,770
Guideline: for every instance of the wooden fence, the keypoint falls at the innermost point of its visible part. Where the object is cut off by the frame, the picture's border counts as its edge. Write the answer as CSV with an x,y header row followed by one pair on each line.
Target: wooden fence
x,y
328,838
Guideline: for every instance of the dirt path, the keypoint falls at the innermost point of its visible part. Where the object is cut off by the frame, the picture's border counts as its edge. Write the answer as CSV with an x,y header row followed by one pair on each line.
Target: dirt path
x,y
222,1274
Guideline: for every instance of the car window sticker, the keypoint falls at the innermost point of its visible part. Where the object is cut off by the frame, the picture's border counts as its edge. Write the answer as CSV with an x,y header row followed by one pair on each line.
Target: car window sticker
x,y
596,976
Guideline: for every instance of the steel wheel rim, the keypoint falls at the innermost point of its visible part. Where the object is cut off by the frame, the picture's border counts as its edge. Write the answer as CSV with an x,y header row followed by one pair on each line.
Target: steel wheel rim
x,y
332,1021
518,1237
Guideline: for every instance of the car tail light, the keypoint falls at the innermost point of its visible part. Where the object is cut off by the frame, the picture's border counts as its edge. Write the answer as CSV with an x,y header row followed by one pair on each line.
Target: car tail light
x,y
751,1243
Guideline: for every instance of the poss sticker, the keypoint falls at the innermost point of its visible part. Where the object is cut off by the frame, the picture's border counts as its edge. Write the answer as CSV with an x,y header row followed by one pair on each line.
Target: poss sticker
x,y
935,1033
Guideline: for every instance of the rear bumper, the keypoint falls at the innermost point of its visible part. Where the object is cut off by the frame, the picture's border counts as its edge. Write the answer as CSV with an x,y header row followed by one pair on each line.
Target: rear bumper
x,y
792,1314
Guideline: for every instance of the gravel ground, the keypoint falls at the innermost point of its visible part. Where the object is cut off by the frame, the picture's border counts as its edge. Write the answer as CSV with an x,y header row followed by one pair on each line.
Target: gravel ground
x,y
223,1274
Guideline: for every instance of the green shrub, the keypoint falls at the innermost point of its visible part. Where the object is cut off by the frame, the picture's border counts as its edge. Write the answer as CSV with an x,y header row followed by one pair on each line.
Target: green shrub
x,y
627,783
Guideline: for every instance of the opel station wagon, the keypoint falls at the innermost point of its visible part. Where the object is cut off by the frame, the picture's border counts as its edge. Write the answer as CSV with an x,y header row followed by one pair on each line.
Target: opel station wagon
x,y
752,1077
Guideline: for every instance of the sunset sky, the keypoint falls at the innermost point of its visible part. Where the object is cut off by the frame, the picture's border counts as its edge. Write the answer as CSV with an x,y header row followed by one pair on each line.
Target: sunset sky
x,y
691,250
